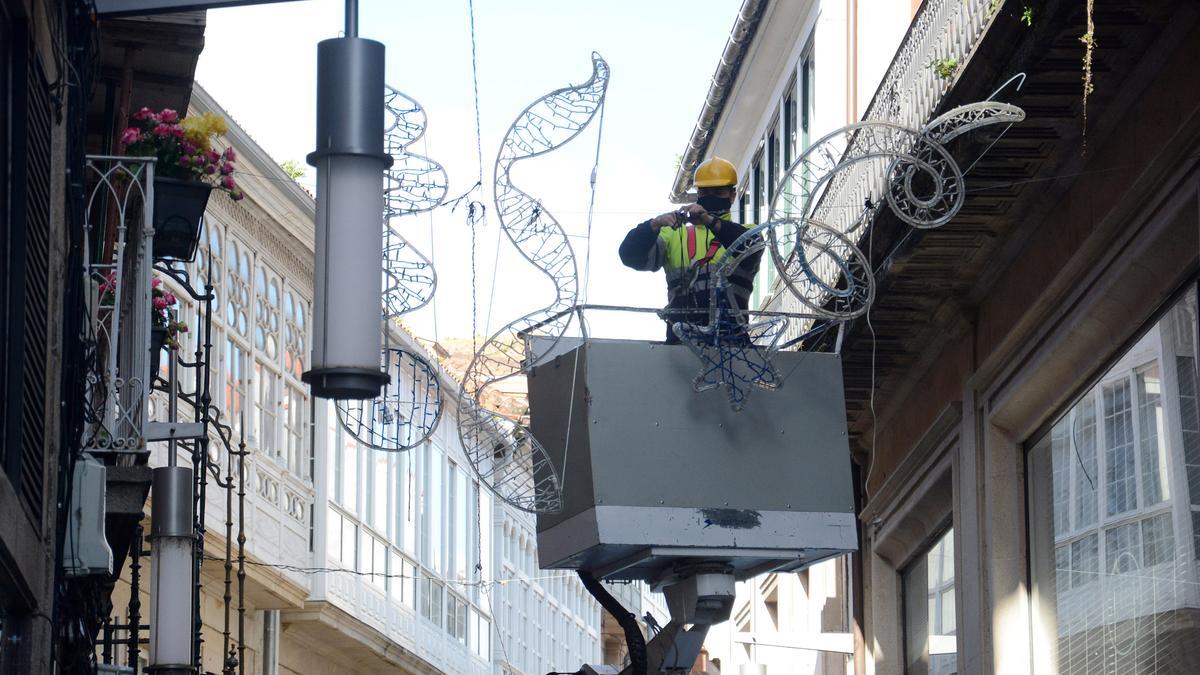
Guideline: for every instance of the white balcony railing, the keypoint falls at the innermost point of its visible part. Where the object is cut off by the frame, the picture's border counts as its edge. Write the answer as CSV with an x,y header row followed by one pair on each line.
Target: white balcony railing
x,y
118,256
944,31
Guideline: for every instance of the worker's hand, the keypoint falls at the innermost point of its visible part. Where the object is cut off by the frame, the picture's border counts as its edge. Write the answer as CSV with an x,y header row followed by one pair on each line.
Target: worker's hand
x,y
668,219
694,213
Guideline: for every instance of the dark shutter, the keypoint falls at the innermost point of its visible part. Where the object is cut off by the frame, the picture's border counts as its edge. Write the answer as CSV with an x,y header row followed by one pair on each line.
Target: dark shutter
x,y
37,279
9,457
28,271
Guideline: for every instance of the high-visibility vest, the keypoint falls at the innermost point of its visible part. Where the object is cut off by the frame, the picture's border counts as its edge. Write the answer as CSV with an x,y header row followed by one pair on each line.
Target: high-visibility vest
x,y
687,252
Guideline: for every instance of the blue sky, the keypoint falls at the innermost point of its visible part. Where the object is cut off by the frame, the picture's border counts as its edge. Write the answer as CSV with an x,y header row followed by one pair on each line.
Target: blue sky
x,y
259,62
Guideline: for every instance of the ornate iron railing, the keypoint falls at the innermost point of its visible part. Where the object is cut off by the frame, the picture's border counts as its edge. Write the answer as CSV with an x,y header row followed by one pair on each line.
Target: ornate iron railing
x,y
944,32
118,257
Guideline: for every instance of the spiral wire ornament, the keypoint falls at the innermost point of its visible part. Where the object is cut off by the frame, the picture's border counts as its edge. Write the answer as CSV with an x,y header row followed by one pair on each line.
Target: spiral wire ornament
x,y
819,264
414,184
409,407
503,453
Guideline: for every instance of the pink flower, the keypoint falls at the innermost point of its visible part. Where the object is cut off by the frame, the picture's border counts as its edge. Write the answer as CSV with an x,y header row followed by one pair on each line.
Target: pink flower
x,y
237,195
176,131
210,169
188,147
228,183
159,304
171,299
226,169
213,156
162,129
229,155
143,114
155,282
185,161
130,136
167,115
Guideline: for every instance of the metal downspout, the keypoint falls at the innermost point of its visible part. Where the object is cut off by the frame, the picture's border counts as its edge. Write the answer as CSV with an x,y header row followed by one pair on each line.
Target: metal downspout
x,y
740,37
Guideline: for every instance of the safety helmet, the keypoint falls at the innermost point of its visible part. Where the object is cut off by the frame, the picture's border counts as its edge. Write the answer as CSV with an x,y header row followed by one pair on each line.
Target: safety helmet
x,y
715,172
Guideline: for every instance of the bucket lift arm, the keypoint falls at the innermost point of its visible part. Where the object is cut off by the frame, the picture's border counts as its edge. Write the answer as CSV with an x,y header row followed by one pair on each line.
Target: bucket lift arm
x,y
698,597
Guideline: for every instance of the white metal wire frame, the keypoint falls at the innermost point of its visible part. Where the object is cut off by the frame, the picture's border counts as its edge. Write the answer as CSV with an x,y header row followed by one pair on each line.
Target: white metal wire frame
x,y
119,217
503,452
409,408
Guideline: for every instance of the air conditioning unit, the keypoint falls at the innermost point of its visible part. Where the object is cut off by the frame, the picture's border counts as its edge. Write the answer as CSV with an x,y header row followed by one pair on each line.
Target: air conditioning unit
x,y
87,551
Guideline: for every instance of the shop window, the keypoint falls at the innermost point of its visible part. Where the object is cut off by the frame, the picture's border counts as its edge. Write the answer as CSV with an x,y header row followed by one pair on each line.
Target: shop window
x,y
1113,509
930,619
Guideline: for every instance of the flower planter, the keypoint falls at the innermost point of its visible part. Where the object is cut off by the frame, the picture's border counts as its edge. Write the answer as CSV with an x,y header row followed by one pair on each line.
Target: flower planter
x,y
178,208
157,337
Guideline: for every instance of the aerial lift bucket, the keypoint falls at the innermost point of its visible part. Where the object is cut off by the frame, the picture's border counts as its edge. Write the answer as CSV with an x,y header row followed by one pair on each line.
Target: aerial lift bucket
x,y
670,486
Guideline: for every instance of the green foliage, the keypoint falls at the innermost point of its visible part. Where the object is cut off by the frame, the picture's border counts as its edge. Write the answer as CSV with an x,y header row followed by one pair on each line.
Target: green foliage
x,y
1089,54
1027,16
292,169
993,8
945,68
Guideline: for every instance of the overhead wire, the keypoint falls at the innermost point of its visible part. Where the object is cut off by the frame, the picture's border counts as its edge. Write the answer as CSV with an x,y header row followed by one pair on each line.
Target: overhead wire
x,y
300,569
587,262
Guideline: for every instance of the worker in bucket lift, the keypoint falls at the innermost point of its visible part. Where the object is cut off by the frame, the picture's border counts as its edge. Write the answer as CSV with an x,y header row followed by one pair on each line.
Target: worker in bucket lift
x,y
688,243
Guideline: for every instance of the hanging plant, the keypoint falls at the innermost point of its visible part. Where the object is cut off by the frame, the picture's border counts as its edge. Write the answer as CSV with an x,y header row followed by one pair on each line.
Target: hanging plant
x,y
1089,42
945,68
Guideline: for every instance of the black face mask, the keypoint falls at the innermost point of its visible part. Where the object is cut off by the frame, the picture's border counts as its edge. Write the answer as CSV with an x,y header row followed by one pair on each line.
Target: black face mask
x,y
714,204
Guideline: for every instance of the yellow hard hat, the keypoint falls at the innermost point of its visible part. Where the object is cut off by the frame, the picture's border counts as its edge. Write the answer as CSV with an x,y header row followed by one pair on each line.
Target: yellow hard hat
x,y
715,172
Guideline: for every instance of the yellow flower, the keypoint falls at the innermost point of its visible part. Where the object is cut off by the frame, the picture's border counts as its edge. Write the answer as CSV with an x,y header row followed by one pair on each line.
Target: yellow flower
x,y
200,129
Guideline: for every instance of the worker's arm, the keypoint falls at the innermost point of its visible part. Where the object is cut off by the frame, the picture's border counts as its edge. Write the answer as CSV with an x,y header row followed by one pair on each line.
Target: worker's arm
x,y
642,249
727,231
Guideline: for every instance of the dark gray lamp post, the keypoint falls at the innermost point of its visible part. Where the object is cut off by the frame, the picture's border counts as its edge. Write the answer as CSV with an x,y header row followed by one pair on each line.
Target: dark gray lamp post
x,y
350,163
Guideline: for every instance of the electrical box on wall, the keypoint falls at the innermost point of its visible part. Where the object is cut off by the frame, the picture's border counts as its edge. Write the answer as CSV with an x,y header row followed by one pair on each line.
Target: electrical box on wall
x,y
656,475
87,551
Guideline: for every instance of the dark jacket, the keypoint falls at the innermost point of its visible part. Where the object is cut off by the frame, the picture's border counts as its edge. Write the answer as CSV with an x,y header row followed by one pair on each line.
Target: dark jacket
x,y
687,285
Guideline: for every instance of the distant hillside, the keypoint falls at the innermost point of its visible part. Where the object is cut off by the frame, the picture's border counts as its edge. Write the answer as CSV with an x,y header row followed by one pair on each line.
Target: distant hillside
x,y
510,397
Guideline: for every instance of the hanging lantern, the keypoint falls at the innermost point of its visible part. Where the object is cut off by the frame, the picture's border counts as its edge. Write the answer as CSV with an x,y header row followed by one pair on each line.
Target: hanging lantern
x,y
350,163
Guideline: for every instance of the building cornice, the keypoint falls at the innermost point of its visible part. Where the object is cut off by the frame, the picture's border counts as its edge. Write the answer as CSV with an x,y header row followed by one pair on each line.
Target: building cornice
x,y
246,146
290,253
728,68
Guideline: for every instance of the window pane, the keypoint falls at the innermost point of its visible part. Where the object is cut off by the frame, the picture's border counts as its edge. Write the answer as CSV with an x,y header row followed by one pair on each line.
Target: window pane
x,y
1085,468
333,528
760,194
1123,553
1114,592
1155,487
930,619
1085,561
378,479
1158,540
1060,442
1118,448
789,130
266,403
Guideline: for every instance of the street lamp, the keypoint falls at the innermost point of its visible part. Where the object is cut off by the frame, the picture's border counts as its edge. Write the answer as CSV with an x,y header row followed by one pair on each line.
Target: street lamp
x,y
350,163
172,537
